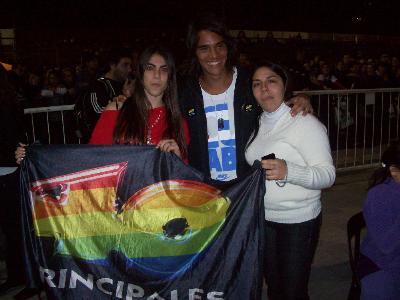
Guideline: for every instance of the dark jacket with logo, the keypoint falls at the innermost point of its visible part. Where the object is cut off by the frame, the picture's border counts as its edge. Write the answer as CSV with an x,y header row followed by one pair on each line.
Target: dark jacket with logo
x,y
192,106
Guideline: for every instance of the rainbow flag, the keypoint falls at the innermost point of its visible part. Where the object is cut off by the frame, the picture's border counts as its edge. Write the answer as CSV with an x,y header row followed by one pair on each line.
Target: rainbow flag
x,y
108,218
166,219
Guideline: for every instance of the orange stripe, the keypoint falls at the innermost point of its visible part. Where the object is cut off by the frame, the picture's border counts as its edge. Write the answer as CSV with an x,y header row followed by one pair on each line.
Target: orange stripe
x,y
172,193
78,202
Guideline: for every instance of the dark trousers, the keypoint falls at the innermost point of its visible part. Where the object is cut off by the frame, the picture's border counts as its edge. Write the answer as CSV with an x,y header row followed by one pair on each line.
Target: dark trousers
x,y
289,251
10,222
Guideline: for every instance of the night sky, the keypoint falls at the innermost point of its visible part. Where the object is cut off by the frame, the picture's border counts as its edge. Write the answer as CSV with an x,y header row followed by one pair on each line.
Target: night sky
x,y
350,16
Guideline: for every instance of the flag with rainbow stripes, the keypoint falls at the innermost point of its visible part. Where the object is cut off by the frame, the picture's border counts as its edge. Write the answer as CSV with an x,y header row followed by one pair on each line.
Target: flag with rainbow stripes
x,y
130,222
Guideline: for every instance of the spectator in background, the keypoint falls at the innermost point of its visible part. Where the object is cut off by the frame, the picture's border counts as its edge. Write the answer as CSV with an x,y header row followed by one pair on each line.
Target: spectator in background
x,y
33,88
91,102
244,60
68,81
242,41
298,64
316,61
384,75
352,79
395,64
52,84
397,78
339,71
385,59
370,80
363,69
327,80
90,71
347,60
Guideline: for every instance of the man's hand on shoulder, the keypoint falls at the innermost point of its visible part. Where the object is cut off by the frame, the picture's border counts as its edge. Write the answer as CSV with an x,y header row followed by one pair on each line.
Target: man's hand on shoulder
x,y
300,103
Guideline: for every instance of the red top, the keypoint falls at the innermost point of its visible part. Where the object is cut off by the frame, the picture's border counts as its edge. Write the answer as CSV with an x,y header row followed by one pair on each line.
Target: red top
x,y
103,132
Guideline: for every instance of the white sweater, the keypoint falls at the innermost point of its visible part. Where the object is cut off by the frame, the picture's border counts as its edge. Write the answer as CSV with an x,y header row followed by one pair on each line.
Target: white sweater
x,y
301,141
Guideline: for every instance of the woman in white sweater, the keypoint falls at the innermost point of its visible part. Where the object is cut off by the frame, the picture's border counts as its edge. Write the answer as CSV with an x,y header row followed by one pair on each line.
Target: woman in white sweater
x,y
293,183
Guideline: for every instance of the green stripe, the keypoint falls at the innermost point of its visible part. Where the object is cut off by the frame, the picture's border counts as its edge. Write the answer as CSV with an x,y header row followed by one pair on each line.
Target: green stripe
x,y
136,245
132,221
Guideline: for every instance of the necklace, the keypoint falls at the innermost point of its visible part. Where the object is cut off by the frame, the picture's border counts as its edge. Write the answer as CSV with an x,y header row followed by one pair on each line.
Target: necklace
x,y
149,140
218,115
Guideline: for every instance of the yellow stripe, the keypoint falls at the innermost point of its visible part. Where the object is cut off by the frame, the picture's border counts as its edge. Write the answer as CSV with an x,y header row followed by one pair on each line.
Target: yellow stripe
x,y
175,198
138,220
79,202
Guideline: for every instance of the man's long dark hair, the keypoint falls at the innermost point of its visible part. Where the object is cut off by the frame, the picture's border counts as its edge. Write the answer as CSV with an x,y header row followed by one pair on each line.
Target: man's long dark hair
x,y
283,74
390,157
209,22
131,126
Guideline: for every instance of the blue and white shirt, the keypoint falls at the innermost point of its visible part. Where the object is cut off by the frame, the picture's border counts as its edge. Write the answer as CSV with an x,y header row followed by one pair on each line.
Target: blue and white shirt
x,y
221,139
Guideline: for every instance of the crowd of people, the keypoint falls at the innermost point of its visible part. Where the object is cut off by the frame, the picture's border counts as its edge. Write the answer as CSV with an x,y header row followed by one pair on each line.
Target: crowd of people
x,y
311,67
219,117
349,72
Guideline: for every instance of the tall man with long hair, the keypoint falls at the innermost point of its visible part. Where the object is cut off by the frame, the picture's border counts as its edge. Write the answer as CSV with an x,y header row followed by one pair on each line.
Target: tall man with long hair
x,y
217,102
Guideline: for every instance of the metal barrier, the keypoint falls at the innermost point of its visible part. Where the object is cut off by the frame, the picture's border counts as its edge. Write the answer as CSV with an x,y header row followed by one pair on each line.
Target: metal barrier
x,y
360,123
51,125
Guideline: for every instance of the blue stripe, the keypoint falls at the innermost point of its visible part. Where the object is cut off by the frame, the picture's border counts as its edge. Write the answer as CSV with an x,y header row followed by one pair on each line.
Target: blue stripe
x,y
220,107
209,109
230,142
155,268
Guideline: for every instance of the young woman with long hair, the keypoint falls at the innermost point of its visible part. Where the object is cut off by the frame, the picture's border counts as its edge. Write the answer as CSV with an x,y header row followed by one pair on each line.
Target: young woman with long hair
x,y
151,114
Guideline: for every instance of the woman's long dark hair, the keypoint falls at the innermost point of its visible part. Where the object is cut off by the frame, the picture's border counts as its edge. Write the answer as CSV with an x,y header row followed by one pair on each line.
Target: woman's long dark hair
x,y
390,157
131,126
279,70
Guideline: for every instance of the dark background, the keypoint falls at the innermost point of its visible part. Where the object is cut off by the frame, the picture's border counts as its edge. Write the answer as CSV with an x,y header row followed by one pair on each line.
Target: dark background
x,y
351,16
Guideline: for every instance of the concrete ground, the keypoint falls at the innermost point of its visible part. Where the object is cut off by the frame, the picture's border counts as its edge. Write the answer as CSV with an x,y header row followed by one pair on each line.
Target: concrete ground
x,y
330,275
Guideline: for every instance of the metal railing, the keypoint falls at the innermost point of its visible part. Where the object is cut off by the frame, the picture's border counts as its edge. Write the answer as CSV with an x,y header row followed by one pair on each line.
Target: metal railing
x,y
360,123
51,124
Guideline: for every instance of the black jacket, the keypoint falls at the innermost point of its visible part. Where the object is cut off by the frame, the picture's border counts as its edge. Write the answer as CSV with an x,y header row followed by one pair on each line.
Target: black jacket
x,y
11,127
245,111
